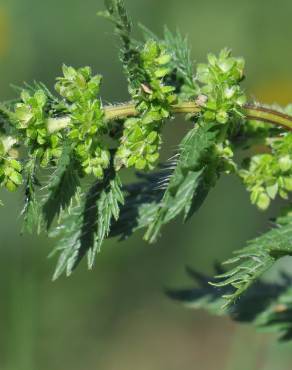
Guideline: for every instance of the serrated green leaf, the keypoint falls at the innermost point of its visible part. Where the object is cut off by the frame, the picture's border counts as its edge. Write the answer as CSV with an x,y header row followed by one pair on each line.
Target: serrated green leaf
x,y
108,210
252,261
31,212
87,224
185,179
61,188
267,306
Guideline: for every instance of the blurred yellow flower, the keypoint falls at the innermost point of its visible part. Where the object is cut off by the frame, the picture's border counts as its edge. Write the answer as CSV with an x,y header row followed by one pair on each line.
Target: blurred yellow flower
x,y
4,32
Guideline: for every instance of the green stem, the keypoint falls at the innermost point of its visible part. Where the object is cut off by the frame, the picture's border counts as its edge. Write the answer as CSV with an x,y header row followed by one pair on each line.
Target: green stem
x,y
274,117
122,111
129,110
254,112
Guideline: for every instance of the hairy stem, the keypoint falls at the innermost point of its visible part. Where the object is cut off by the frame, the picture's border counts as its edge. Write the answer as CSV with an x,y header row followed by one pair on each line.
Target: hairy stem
x,y
129,110
122,111
254,112
274,117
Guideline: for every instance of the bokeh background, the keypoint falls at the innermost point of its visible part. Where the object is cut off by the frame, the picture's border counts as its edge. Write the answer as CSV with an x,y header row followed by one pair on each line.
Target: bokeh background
x,y
117,317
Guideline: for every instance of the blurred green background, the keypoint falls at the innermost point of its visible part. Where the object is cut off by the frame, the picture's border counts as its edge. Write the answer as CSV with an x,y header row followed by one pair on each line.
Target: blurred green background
x,y
117,317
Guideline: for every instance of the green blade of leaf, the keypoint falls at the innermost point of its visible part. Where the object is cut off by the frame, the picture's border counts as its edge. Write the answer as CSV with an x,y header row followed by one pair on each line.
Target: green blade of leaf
x,y
87,224
186,179
252,261
267,306
31,212
61,188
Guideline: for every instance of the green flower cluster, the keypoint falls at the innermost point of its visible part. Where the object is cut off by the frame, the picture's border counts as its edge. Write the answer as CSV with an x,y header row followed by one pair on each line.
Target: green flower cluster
x,y
87,125
225,155
31,118
220,80
10,168
141,140
270,174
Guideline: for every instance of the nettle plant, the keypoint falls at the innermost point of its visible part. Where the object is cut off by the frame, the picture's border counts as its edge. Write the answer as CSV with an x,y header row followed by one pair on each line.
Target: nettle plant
x,y
67,150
